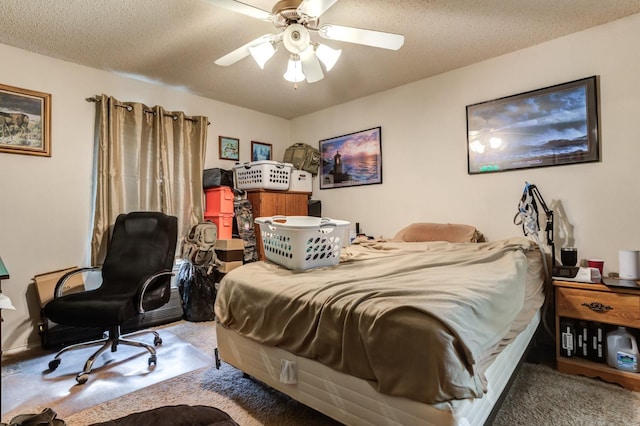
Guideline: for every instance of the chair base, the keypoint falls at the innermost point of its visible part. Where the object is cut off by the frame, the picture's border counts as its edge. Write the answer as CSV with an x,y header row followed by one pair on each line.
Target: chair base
x,y
112,341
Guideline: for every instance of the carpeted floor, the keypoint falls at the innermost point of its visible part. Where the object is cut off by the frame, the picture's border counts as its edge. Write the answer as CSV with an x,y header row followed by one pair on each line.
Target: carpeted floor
x,y
542,396
539,396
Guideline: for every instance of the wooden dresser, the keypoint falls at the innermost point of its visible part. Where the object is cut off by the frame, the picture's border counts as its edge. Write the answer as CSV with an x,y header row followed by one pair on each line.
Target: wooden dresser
x,y
601,304
267,203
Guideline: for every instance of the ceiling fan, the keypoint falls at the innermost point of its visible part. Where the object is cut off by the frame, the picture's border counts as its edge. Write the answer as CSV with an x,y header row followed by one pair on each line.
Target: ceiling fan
x,y
298,19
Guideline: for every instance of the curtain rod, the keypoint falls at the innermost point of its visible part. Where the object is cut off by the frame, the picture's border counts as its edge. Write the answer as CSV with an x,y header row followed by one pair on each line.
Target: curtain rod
x,y
129,108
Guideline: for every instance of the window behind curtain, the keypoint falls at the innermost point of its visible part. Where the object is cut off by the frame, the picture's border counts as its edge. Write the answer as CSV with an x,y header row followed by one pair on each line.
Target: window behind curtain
x,y
147,159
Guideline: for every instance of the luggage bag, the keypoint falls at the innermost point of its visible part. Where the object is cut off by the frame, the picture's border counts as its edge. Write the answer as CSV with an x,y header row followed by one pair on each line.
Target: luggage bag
x,y
303,157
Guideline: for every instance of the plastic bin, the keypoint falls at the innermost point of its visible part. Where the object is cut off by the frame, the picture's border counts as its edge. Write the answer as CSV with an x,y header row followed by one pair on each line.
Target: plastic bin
x,y
263,175
302,242
224,223
218,200
300,181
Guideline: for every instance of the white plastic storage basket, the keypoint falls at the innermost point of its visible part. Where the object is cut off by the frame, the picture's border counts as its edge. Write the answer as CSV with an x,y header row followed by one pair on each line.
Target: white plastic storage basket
x,y
302,242
263,175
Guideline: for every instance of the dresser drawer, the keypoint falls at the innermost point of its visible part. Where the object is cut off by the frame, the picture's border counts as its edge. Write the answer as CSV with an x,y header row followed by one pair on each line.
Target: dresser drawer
x,y
599,306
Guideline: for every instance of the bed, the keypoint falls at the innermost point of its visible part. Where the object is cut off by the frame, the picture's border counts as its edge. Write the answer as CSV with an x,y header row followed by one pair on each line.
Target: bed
x,y
398,333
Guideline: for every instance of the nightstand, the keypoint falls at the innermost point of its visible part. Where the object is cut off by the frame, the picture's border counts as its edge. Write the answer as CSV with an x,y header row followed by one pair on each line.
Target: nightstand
x,y
596,303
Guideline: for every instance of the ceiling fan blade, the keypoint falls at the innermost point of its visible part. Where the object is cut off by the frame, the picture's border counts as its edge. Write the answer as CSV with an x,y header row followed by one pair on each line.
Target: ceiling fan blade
x,y
311,66
357,35
315,8
242,52
245,9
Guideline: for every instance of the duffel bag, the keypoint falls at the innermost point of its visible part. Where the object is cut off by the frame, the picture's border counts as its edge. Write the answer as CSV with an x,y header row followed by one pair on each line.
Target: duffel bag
x,y
303,157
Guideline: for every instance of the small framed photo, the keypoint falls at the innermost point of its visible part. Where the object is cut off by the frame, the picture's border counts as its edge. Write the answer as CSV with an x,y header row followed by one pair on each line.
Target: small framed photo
x,y
229,148
351,160
260,151
25,121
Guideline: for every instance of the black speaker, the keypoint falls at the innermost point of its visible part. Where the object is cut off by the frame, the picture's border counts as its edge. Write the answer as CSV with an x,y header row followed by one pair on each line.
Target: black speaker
x,y
315,208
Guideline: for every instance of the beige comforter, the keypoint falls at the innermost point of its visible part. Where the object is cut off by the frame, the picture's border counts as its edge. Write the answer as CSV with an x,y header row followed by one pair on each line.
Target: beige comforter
x,y
414,319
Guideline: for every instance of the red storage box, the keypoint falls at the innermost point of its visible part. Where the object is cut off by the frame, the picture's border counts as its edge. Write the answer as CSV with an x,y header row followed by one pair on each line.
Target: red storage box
x,y
224,223
218,200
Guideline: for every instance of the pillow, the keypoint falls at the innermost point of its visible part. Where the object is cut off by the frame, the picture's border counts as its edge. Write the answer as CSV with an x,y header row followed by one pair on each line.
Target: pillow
x,y
418,232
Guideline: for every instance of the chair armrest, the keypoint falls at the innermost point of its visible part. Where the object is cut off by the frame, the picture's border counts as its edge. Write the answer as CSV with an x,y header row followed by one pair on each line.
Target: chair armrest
x,y
146,284
57,292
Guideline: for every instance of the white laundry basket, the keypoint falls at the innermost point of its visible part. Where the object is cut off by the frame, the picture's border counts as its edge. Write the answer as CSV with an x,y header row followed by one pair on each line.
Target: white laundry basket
x,y
264,174
302,242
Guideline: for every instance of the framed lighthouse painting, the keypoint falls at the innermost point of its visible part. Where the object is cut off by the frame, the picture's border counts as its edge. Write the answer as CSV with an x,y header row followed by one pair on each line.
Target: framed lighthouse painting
x,y
353,159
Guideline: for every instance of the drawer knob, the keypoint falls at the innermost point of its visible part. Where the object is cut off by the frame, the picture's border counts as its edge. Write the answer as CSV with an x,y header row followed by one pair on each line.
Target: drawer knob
x,y
597,307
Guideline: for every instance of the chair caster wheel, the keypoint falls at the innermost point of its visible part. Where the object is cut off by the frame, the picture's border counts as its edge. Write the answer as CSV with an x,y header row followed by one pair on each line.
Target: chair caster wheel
x,y
157,341
152,360
82,378
53,364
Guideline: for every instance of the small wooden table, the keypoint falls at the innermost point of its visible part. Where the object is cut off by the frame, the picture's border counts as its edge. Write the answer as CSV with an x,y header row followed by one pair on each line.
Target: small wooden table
x,y
596,303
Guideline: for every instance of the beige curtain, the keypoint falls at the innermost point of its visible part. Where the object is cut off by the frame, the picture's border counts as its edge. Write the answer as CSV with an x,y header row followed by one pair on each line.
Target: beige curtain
x,y
147,159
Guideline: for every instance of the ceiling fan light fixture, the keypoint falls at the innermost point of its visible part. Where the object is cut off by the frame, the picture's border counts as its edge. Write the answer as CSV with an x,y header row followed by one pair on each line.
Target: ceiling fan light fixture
x,y
262,52
294,72
327,55
296,38
308,60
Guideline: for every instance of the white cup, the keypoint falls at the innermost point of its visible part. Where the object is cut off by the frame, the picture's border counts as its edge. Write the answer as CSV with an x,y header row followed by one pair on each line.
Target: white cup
x,y
629,262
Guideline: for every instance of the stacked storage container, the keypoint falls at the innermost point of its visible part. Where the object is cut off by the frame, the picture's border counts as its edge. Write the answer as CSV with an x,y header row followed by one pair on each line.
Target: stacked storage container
x,y
264,174
219,210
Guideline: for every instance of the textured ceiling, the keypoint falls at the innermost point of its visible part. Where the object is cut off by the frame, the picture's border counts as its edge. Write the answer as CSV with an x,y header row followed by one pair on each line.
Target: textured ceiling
x,y
175,42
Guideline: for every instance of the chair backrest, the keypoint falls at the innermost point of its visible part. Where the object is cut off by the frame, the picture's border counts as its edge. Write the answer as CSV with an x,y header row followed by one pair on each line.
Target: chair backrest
x,y
142,243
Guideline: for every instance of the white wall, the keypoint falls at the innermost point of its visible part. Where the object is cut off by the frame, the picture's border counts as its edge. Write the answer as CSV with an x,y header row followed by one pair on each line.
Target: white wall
x,y
45,203
424,147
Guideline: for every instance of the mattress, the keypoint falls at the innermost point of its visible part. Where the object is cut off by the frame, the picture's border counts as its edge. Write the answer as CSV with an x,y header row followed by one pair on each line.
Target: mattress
x,y
421,321
354,401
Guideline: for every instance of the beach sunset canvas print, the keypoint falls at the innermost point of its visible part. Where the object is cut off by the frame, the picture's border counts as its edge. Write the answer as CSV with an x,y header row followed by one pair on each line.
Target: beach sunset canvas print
x,y
351,160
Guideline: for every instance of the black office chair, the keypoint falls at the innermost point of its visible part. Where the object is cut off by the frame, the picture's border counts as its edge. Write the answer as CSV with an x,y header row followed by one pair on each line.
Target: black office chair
x,y
136,277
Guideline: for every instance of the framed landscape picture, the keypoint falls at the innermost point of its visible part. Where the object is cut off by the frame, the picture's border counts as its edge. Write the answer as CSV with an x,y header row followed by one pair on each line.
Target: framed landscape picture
x,y
260,151
25,121
351,160
547,127
229,148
